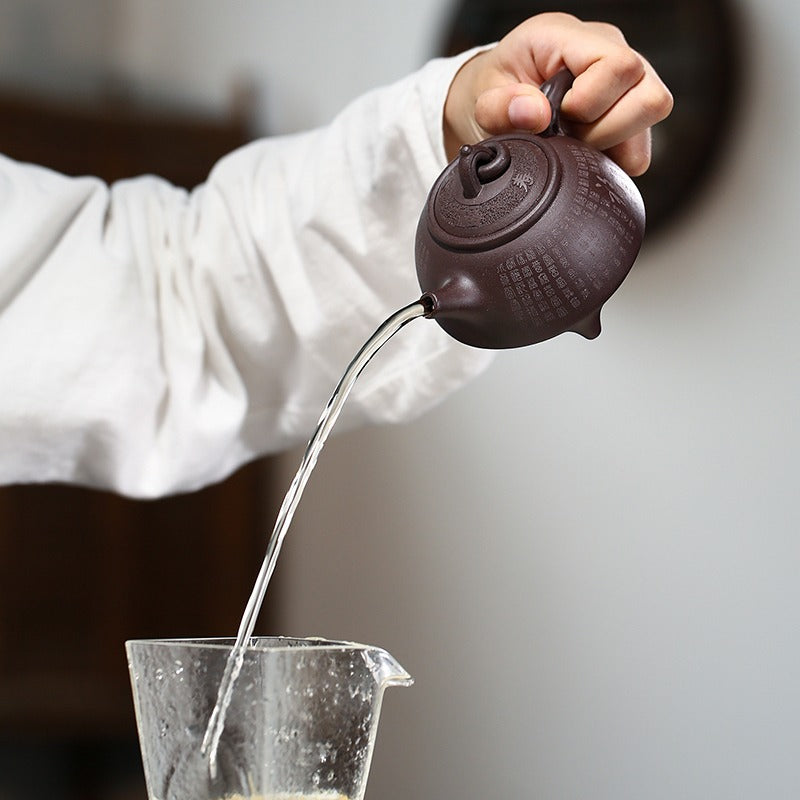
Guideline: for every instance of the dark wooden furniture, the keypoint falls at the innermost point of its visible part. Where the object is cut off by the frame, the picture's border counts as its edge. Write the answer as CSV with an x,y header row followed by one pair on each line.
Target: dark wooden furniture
x,y
116,139
81,571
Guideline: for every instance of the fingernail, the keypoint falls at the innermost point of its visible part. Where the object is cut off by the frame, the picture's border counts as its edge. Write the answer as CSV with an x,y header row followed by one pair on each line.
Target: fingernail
x,y
522,111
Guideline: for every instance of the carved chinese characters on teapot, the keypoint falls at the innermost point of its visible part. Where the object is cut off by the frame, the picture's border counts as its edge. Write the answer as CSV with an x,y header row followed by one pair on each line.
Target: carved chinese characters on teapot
x,y
526,236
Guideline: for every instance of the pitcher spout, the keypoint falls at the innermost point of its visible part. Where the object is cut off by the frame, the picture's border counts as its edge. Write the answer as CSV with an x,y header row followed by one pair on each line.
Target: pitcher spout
x,y
385,668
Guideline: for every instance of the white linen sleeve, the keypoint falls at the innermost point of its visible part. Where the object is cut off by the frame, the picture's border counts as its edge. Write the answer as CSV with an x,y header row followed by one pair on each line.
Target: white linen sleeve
x,y
153,339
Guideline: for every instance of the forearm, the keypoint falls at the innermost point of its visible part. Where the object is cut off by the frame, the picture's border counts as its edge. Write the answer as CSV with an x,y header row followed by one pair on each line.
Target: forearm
x,y
156,339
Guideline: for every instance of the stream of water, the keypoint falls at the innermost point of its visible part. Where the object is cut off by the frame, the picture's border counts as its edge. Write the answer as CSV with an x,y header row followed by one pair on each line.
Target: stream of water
x,y
326,422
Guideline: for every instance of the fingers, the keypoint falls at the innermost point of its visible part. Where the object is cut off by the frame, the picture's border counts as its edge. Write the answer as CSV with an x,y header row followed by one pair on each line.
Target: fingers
x,y
600,84
512,106
618,116
634,154
621,127
614,101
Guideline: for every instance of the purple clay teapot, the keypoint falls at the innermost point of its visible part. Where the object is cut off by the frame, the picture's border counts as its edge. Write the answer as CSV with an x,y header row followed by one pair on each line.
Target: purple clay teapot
x,y
526,236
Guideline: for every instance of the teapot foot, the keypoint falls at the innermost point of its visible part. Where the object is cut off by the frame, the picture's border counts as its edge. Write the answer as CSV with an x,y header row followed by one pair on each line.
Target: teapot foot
x,y
588,327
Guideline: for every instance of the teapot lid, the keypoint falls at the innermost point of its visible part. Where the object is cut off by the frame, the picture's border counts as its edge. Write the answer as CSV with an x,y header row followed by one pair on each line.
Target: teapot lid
x,y
493,191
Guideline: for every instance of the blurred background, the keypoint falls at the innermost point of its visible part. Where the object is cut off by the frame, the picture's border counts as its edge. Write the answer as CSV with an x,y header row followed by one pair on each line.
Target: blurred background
x,y
588,558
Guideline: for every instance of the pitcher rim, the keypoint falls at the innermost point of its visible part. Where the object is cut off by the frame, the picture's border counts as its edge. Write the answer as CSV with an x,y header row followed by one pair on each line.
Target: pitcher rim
x,y
271,643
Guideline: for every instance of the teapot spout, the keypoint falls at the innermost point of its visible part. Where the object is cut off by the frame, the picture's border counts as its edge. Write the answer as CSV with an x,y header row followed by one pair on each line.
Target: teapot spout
x,y
457,296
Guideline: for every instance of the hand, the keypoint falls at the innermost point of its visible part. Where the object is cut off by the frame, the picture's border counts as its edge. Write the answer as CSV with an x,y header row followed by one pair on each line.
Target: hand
x,y
614,101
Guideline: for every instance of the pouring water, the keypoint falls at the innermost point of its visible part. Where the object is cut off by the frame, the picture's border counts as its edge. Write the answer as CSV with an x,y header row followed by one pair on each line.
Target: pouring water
x,y
523,237
326,422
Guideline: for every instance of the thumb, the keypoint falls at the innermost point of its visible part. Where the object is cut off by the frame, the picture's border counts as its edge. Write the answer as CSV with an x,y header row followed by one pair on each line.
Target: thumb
x,y
514,106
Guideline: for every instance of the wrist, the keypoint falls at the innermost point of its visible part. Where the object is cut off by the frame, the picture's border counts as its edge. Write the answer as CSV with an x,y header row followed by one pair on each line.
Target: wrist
x,y
458,119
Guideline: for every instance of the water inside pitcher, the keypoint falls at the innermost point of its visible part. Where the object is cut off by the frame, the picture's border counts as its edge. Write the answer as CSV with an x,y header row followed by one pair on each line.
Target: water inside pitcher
x,y
301,724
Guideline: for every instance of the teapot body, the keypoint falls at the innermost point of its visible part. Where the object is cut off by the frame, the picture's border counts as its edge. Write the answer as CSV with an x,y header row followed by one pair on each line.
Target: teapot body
x,y
526,240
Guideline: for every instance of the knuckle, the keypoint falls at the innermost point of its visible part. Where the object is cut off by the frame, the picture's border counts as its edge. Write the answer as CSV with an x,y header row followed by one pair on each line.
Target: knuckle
x,y
637,163
556,18
660,104
655,103
610,31
628,66
553,20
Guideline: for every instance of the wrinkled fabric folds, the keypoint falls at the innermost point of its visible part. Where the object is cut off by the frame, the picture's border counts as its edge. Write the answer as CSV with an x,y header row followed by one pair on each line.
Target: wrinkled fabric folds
x,y
153,339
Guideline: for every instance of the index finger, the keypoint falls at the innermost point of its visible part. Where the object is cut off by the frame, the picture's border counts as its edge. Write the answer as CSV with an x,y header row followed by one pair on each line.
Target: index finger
x,y
599,85
637,109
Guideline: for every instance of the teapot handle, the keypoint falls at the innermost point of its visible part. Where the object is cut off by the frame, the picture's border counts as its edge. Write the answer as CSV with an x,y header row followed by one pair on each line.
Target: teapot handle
x,y
554,89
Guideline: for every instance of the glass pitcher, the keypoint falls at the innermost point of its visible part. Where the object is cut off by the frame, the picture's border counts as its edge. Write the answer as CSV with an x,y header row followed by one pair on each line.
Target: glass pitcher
x,y
301,724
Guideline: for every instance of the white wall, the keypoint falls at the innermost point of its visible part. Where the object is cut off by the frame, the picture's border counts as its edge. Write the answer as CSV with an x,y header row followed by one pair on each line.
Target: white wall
x,y
55,46
304,58
588,559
